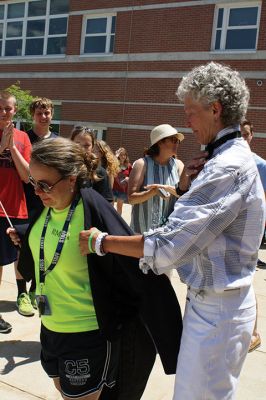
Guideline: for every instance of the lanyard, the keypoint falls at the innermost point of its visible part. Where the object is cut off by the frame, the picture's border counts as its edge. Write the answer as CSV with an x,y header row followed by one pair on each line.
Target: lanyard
x,y
60,243
213,145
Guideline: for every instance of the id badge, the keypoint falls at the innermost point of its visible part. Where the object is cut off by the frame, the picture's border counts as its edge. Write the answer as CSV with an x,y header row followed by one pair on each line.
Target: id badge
x,y
43,305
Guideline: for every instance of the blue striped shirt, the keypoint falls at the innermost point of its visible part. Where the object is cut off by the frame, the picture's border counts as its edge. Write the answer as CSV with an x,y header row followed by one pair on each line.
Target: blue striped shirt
x,y
214,233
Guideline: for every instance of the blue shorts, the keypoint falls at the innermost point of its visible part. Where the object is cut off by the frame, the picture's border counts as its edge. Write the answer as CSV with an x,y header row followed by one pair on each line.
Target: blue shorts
x,y
84,362
119,195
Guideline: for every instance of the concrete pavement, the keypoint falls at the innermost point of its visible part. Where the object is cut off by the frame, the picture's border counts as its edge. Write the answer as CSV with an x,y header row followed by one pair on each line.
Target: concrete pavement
x,y
22,377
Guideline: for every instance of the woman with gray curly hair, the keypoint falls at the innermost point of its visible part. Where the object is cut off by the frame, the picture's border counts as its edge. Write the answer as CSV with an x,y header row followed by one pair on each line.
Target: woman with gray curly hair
x,y
212,237
214,82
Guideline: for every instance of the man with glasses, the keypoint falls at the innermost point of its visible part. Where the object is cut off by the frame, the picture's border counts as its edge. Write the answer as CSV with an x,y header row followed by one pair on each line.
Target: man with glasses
x,y
15,149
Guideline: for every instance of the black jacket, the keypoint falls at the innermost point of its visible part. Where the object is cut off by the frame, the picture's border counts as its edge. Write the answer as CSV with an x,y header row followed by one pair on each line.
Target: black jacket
x,y
120,290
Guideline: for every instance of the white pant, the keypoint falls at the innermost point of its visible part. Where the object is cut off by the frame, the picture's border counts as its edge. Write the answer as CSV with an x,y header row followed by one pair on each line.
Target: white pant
x,y
216,335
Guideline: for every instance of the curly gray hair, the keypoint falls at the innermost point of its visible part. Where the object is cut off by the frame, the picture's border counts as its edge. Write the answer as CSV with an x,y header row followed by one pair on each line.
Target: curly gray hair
x,y
215,82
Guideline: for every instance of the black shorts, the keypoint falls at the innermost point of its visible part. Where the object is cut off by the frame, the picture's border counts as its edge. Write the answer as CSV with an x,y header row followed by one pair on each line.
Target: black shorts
x,y
8,252
83,362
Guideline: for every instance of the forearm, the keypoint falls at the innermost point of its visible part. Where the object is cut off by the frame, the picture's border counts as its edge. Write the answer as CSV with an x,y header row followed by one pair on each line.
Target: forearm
x,y
184,182
21,164
124,245
141,197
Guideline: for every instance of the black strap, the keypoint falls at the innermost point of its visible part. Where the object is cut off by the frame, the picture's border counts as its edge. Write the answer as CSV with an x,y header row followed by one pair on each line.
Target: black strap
x,y
213,145
60,243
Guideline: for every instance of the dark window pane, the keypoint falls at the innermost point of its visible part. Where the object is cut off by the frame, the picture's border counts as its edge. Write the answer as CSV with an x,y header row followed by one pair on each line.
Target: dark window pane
x,y
1,31
218,40
56,45
243,16
95,44
13,48
241,39
14,29
0,48
220,18
15,10
59,7
34,47
35,28
112,40
37,8
57,26
55,128
96,25
57,112
2,10
113,24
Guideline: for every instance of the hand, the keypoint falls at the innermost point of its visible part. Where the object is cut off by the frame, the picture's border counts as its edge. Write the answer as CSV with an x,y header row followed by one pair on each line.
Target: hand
x,y
12,233
84,240
156,187
194,166
124,181
7,140
191,170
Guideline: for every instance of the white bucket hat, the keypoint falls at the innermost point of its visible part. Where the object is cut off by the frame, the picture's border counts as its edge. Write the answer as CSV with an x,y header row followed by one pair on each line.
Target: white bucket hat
x,y
163,131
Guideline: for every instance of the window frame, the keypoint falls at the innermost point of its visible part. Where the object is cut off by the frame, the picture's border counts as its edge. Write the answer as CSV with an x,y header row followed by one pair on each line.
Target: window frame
x,y
225,27
108,34
47,17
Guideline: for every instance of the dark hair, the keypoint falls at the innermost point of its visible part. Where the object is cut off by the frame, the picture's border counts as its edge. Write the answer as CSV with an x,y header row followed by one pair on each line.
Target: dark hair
x,y
152,151
247,122
84,131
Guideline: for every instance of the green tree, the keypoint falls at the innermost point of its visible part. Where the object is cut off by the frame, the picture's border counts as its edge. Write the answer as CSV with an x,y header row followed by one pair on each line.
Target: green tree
x,y
24,99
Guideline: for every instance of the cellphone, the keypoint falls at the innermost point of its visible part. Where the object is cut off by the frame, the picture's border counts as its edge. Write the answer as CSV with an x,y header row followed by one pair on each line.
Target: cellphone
x,y
164,193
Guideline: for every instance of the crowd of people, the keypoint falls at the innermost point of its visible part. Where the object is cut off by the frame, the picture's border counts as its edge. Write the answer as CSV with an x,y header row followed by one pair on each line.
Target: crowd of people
x,y
98,283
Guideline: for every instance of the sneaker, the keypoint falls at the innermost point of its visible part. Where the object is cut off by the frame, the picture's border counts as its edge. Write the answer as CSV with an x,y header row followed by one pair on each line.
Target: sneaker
x,y
33,300
5,327
24,305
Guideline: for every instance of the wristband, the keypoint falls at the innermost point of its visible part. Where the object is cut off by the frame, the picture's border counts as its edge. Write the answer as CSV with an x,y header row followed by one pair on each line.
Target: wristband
x,y
179,192
99,244
91,250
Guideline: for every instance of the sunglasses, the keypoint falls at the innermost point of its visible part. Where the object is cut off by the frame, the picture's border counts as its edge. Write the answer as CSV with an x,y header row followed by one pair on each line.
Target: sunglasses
x,y
44,187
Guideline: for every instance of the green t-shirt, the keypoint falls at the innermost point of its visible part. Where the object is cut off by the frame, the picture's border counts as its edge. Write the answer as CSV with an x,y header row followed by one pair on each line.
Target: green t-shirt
x,y
67,287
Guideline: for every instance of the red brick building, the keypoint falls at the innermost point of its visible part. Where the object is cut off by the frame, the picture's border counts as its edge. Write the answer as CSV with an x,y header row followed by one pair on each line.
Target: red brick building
x,y
115,65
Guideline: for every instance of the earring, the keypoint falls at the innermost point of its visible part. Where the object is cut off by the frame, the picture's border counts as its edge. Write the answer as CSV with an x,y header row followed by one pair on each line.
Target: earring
x,y
71,189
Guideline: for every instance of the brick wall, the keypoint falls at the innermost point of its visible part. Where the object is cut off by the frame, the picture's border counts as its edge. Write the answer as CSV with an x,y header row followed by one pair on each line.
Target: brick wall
x,y
122,102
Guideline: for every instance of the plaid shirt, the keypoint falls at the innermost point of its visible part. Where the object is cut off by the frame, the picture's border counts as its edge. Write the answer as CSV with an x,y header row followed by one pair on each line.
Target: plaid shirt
x,y
214,233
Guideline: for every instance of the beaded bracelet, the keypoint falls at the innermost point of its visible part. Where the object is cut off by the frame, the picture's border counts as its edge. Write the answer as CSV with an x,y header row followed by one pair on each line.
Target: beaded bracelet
x,y
99,244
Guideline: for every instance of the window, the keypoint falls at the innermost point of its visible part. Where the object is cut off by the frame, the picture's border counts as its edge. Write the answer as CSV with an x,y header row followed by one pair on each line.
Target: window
x,y
236,28
33,28
98,34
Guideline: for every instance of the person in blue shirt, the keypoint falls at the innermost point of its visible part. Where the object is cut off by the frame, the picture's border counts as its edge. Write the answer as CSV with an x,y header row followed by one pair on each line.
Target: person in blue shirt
x,y
247,134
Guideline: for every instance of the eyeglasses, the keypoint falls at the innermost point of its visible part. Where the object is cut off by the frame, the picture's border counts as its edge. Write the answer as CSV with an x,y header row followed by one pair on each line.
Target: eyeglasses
x,y
43,186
